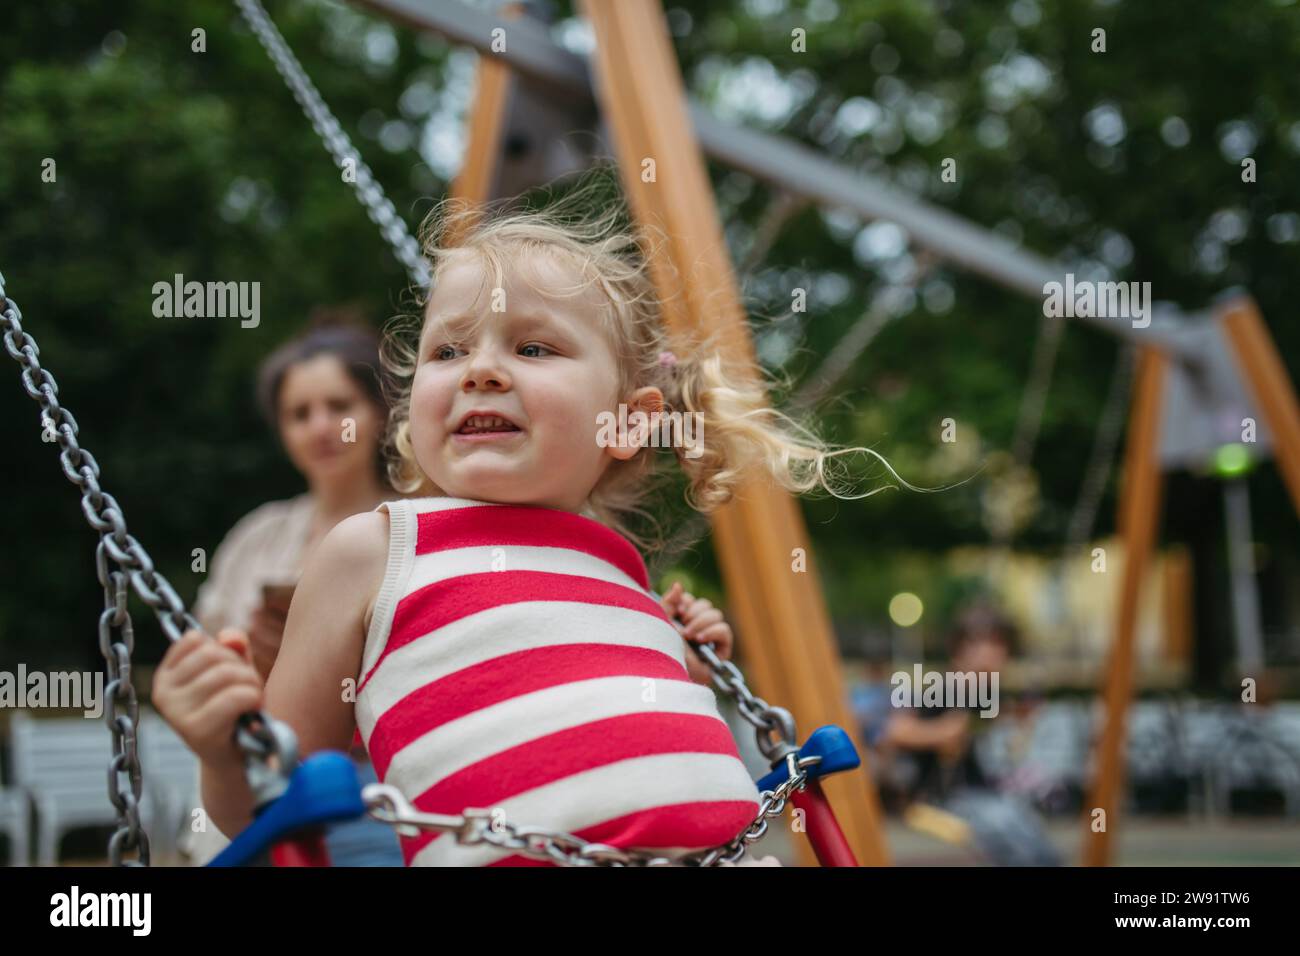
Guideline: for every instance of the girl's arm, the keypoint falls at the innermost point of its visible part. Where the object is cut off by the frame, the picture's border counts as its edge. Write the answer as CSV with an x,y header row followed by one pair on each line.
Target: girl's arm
x,y
323,641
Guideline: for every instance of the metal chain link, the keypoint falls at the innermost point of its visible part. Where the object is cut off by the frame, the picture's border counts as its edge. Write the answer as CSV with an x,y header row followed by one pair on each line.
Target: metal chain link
x,y
124,777
371,195
119,559
766,720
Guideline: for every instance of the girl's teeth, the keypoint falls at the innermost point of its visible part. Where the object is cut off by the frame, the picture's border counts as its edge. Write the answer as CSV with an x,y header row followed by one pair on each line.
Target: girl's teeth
x,y
488,423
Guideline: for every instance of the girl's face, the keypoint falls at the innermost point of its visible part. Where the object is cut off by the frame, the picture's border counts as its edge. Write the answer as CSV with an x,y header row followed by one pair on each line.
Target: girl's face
x,y
540,364
316,397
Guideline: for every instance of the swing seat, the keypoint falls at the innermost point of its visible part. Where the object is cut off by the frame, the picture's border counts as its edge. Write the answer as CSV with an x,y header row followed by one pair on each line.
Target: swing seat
x,y
323,789
832,744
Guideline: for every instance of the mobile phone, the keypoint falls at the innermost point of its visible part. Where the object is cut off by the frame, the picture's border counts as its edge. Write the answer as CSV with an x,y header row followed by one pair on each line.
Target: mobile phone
x,y
278,594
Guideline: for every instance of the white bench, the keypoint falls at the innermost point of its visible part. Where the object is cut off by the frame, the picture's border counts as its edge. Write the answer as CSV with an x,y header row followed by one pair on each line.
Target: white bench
x,y
15,823
171,780
61,763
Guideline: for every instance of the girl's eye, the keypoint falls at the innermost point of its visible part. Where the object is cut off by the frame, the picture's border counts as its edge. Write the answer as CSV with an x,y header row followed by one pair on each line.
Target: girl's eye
x,y
445,352
523,349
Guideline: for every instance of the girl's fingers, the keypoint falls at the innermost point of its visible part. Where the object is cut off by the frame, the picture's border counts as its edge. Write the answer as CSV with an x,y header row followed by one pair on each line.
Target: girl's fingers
x,y
676,598
206,654
190,642
698,622
696,669
223,675
237,641
697,607
224,709
720,636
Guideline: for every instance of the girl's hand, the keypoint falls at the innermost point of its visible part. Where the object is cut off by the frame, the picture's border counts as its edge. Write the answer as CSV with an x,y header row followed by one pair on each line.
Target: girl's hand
x,y
697,620
202,687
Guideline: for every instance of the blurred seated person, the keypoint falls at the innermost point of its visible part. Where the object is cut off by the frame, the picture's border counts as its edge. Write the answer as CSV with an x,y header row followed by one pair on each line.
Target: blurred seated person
x,y
925,750
926,754
981,641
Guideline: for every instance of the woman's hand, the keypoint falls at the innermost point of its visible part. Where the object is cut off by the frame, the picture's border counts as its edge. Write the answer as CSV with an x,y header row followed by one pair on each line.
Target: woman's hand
x,y
697,620
202,687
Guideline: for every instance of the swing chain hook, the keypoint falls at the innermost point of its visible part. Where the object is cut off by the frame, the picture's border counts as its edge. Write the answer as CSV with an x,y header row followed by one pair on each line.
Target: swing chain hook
x,y
270,750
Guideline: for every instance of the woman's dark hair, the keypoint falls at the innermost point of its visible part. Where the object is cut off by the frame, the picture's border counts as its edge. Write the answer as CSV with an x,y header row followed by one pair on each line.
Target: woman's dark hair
x,y
982,621
333,331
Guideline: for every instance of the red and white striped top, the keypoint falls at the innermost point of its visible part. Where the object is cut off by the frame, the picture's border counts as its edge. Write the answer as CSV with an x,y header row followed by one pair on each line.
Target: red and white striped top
x,y
517,660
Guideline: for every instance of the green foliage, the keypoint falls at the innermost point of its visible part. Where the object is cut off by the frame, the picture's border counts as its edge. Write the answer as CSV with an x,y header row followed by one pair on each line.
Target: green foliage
x,y
169,161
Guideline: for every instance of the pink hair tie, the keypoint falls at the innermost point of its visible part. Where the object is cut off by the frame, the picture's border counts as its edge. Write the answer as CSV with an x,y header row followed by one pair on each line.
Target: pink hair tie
x,y
667,359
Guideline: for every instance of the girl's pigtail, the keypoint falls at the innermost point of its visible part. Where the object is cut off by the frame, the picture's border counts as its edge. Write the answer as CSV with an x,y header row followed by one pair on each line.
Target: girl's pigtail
x,y
737,434
740,436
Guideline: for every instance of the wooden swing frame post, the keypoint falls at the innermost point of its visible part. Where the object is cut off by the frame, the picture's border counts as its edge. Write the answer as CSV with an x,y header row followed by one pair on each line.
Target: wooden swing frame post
x,y
789,645
493,81
1138,510
1274,394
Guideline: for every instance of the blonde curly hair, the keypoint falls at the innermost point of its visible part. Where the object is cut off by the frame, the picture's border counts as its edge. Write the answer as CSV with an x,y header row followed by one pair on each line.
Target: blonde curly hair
x,y
746,437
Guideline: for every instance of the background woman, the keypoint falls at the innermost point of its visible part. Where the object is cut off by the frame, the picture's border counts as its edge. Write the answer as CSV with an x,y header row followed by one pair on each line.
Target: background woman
x,y
322,395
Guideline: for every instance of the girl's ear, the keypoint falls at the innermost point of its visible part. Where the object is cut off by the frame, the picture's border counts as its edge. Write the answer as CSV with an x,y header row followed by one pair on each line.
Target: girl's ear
x,y
635,430
648,399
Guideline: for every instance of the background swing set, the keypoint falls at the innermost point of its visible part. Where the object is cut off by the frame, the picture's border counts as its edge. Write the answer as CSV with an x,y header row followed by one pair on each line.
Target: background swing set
x,y
528,92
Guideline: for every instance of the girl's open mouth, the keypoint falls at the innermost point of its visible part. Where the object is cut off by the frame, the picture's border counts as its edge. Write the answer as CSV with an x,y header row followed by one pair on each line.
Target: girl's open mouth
x,y
480,428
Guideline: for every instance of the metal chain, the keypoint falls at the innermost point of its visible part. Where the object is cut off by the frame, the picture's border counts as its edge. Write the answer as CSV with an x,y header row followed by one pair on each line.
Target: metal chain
x,y
119,560
124,778
386,804
773,726
371,195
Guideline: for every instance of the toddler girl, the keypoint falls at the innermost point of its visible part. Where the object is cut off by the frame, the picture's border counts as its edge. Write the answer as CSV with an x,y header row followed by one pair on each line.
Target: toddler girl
x,y
493,639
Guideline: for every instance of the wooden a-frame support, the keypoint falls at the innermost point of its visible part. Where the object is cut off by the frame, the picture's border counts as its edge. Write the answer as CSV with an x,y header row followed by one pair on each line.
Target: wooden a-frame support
x,y
787,641
487,120
1262,369
789,646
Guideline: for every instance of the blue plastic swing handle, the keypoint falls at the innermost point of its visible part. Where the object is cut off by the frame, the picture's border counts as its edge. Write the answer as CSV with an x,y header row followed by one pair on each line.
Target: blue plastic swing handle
x,y
832,744
323,789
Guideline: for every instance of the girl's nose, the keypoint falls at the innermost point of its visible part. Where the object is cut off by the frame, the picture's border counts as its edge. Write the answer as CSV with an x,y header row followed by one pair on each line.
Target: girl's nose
x,y
485,370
